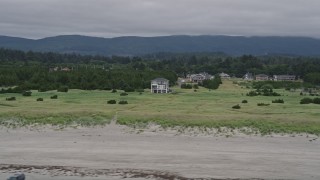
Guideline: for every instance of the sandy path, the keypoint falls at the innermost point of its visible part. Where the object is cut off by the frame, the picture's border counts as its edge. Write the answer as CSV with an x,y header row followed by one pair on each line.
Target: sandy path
x,y
113,148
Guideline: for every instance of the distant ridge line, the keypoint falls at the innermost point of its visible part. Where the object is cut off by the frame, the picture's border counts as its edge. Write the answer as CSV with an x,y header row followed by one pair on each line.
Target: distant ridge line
x,y
135,45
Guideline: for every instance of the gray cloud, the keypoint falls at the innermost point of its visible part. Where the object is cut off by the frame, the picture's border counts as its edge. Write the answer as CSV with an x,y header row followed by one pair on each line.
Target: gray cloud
x,y
110,18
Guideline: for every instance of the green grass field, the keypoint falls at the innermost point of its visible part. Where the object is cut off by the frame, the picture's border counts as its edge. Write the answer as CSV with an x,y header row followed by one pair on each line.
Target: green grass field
x,y
203,108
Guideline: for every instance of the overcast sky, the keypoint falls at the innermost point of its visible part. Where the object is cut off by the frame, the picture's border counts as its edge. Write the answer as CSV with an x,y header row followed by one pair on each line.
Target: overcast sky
x,y
112,18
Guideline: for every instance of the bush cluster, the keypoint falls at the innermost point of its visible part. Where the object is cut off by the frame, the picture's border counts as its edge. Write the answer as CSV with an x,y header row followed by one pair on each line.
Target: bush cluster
x,y
114,91
309,101
244,101
236,106
278,101
186,86
54,97
252,93
11,99
112,102
263,104
195,86
124,94
262,93
123,102
316,100
40,99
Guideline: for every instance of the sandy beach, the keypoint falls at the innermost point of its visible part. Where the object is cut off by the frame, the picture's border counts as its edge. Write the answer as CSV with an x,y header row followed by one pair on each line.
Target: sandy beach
x,y
117,152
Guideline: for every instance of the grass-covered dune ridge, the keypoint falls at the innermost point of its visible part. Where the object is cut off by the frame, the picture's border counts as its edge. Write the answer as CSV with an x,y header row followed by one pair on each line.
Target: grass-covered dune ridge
x,y
186,108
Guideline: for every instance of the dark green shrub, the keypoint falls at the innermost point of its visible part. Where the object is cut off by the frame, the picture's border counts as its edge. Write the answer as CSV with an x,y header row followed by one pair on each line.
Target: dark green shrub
x,y
186,86
316,100
306,101
278,101
11,99
195,90
244,101
236,106
114,91
301,94
123,102
195,86
40,99
112,102
26,93
63,89
124,94
253,93
263,104
54,97
274,94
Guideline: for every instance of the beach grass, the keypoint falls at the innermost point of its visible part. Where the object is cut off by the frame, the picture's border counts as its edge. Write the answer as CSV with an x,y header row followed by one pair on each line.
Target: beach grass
x,y
204,108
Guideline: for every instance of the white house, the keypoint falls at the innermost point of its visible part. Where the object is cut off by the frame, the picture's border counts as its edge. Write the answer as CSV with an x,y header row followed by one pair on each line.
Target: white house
x,y
160,85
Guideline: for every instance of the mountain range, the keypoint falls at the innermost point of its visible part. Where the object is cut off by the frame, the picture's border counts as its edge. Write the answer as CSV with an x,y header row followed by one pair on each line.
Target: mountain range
x,y
132,45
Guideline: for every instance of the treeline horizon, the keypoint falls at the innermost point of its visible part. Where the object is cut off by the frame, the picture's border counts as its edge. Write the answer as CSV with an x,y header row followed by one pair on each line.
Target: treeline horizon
x,y
31,70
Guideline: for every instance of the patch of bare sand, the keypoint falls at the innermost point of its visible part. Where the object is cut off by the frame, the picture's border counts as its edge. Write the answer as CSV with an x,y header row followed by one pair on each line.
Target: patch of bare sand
x,y
115,152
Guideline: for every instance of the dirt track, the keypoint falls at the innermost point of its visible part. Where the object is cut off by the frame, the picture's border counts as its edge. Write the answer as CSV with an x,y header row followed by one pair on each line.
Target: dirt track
x,y
113,153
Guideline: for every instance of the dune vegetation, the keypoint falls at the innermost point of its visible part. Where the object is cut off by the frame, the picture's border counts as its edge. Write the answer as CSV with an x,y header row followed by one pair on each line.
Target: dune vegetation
x,y
185,107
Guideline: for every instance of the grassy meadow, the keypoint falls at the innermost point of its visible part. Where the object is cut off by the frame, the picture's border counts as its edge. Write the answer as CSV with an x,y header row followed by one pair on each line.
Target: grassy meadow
x,y
204,108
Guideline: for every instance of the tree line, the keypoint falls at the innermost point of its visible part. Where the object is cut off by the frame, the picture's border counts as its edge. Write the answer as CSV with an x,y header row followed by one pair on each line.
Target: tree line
x,y
30,70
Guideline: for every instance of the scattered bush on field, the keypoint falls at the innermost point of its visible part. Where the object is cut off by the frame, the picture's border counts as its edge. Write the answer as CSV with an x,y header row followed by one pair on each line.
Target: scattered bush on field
x,y
316,100
244,101
11,99
123,102
263,92
40,99
186,86
253,93
306,101
236,106
124,94
112,101
54,97
114,91
26,93
278,101
263,104
195,86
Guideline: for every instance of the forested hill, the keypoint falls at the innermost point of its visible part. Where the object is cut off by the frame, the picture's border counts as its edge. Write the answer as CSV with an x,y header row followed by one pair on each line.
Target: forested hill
x,y
232,45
